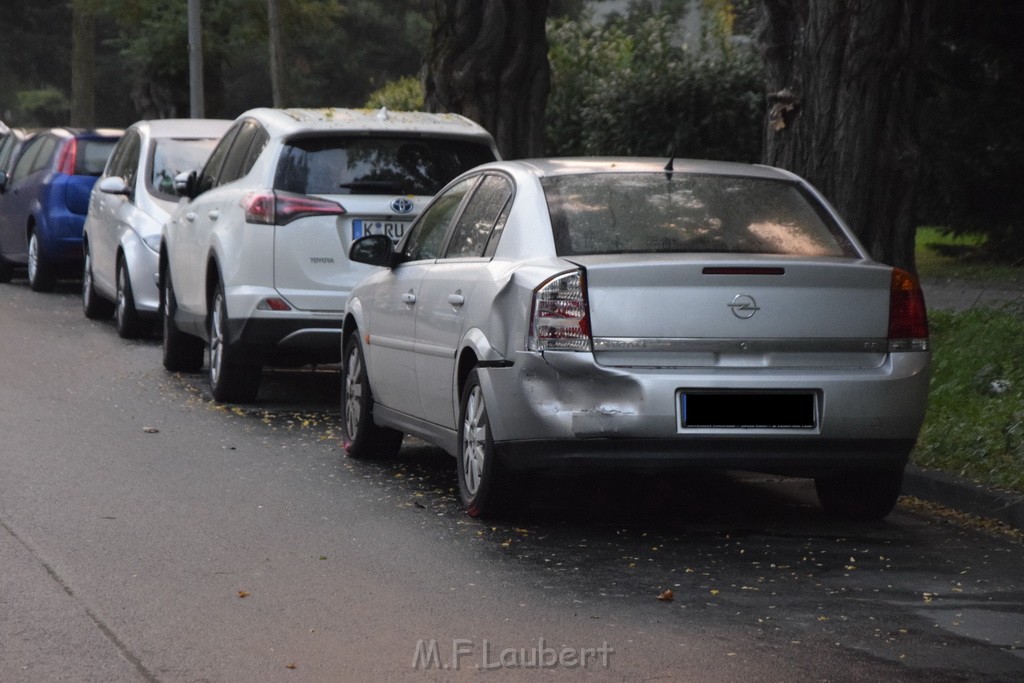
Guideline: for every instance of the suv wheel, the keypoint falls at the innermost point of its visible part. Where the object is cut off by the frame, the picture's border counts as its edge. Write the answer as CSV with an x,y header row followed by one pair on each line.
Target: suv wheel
x,y
229,379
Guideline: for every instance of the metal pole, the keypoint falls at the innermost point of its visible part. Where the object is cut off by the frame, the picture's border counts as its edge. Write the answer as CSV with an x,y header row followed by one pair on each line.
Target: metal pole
x,y
195,59
276,53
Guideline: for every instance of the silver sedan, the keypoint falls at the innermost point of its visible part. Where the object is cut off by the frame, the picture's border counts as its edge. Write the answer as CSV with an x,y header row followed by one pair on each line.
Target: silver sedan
x,y
627,312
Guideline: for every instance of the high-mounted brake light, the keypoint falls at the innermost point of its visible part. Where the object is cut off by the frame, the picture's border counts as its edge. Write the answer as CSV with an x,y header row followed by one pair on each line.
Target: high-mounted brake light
x,y
908,318
560,320
281,208
68,157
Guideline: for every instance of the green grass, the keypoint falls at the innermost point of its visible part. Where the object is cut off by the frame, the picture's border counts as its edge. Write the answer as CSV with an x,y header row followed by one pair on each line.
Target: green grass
x,y
971,428
939,255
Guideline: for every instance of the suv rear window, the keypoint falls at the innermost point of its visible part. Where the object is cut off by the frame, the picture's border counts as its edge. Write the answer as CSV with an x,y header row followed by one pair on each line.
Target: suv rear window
x,y
622,213
375,165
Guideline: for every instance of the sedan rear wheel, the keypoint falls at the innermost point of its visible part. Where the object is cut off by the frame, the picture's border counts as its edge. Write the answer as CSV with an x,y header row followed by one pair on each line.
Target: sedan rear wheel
x,y
230,380
129,324
182,352
485,486
94,306
363,439
860,496
40,273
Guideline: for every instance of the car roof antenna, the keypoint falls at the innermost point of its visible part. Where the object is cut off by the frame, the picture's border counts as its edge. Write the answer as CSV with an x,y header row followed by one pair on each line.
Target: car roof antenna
x,y
670,166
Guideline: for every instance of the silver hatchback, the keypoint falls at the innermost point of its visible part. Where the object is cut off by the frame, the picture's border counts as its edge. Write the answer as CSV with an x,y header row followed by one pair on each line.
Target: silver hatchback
x,y
619,312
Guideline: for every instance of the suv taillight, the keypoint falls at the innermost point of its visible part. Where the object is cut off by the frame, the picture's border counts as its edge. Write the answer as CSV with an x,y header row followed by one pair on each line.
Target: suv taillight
x,y
68,157
281,208
560,320
908,318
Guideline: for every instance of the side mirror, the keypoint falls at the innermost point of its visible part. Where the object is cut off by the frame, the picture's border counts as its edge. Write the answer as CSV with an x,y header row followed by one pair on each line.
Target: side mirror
x,y
3,181
375,250
114,185
185,184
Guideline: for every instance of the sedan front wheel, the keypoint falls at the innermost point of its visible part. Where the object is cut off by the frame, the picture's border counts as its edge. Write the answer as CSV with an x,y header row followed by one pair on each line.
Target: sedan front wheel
x,y
363,439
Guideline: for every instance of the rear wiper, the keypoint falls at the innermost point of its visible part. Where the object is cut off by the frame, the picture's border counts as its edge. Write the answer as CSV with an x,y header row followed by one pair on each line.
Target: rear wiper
x,y
374,186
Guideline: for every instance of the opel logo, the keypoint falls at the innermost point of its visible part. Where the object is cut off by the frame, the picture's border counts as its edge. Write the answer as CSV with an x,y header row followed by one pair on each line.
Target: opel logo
x,y
401,205
743,306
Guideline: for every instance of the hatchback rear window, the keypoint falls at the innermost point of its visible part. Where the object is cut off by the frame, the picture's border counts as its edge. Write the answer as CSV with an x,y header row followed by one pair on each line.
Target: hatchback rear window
x,y
92,156
375,165
622,213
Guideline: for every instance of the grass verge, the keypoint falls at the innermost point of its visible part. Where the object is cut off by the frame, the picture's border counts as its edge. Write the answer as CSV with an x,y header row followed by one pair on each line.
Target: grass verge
x,y
959,257
975,421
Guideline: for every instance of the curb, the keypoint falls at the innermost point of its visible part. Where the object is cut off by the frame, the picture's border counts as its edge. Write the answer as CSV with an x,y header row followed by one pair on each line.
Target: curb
x,y
964,495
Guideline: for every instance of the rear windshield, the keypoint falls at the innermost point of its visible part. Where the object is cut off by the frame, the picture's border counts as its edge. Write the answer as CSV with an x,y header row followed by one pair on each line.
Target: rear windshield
x,y
172,156
622,213
92,156
375,165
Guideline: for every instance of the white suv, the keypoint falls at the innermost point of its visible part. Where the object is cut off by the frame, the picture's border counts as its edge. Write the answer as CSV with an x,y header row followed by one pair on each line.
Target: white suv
x,y
253,263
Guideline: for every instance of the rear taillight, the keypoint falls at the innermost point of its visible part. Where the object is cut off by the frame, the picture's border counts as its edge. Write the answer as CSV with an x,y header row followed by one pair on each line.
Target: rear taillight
x,y
908,319
281,208
68,157
560,320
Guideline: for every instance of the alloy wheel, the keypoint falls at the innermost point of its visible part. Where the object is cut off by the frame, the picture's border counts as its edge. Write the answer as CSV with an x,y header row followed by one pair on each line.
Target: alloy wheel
x,y
474,441
353,393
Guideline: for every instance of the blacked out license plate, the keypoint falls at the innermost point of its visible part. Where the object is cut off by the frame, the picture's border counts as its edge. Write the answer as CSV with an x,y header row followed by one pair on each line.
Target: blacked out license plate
x,y
742,410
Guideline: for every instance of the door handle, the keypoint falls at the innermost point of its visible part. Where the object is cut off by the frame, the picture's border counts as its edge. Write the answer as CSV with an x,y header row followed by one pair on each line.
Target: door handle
x,y
214,215
409,298
456,299
190,217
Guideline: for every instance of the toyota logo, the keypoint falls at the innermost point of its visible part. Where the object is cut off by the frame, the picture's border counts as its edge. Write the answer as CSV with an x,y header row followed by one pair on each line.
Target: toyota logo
x,y
401,205
744,307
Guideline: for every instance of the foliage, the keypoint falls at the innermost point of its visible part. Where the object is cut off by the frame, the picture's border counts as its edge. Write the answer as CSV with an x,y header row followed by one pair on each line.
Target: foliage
x,y
628,88
975,420
972,131
47,106
405,94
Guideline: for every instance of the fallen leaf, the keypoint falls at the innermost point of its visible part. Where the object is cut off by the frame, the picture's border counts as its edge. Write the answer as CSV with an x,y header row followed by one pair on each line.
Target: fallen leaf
x,y
244,594
150,430
667,595
290,665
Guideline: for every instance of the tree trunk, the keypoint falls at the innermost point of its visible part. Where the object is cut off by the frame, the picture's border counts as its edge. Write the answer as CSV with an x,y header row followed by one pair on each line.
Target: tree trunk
x,y
83,63
488,60
843,103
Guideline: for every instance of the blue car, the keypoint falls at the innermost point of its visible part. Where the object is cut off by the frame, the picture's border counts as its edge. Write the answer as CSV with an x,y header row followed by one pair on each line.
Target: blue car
x,y
44,199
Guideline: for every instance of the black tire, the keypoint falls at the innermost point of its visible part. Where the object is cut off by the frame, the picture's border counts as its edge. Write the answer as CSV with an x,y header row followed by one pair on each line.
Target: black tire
x,y
230,380
41,275
860,496
181,352
126,317
361,437
6,271
487,488
94,306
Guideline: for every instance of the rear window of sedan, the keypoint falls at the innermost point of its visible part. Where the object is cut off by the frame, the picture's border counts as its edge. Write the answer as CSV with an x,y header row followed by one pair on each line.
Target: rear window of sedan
x,y
375,165
622,213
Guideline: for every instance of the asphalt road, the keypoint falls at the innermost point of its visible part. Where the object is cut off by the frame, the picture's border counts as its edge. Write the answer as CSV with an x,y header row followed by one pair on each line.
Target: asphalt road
x,y
147,533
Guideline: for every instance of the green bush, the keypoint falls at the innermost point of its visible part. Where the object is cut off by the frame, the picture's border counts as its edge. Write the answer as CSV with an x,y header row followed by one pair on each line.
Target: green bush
x,y
628,88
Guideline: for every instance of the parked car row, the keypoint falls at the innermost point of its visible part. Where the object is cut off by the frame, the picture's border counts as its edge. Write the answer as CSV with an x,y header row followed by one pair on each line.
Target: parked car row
x,y
45,181
522,315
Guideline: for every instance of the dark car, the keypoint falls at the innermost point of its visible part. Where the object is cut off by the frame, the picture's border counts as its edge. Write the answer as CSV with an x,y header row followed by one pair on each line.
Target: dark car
x,y
44,198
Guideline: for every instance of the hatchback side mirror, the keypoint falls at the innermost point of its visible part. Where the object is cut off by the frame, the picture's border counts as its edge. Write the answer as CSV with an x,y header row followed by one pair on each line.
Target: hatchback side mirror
x,y
375,250
114,185
3,181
